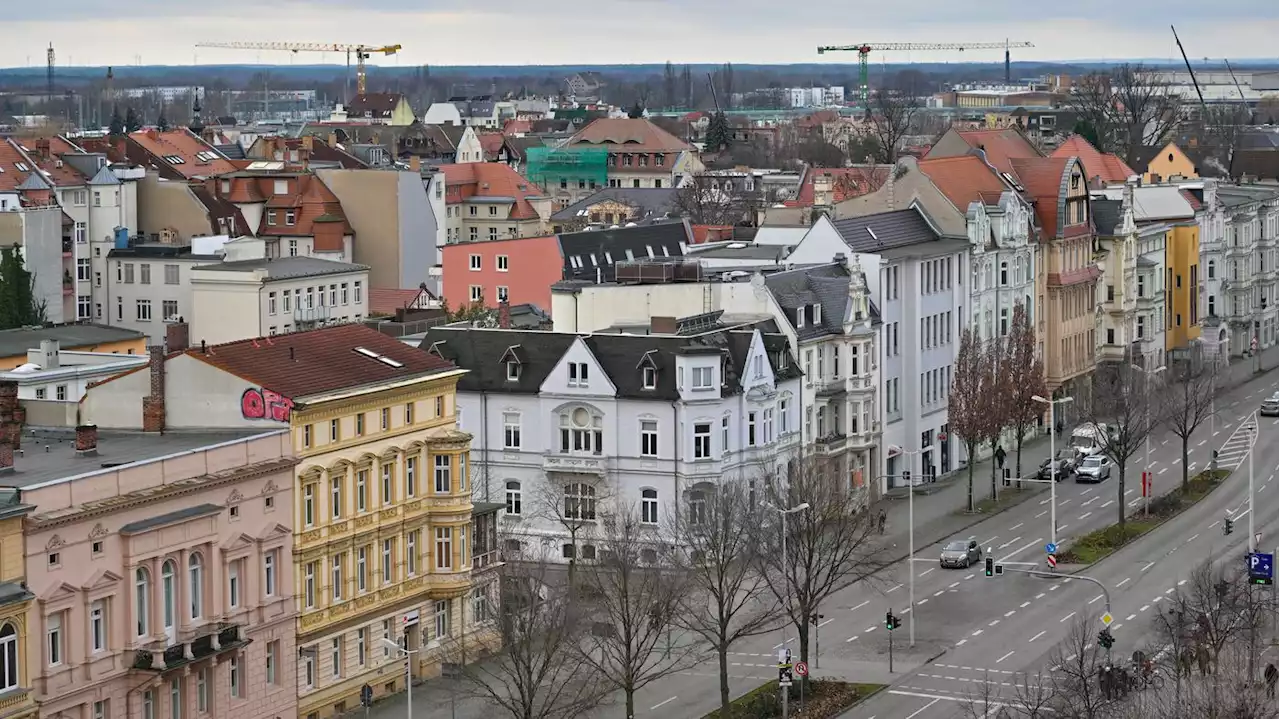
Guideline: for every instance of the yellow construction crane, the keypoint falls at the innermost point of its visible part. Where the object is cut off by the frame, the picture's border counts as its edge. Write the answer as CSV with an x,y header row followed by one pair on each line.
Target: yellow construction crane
x,y
865,49
362,52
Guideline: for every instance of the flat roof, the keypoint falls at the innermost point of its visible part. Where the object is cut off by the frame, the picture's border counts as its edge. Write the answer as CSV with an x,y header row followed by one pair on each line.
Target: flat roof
x,y
727,251
18,341
37,465
287,268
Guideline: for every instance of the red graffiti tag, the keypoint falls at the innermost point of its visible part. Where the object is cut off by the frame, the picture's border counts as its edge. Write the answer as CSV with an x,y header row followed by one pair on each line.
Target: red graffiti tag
x,y
264,404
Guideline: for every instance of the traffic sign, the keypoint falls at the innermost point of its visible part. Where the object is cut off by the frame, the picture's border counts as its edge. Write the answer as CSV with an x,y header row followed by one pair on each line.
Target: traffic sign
x,y
802,669
1107,619
1261,568
1051,560
1050,548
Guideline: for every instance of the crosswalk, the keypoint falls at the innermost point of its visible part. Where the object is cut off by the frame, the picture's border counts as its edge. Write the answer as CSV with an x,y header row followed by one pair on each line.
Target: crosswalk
x,y
1236,449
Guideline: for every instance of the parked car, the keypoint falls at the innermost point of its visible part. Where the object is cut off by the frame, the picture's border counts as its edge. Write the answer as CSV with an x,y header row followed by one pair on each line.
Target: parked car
x,y
1065,462
960,554
1271,406
1094,468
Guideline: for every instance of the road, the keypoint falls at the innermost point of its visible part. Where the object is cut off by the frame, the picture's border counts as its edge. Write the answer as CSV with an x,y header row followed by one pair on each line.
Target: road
x,y
982,628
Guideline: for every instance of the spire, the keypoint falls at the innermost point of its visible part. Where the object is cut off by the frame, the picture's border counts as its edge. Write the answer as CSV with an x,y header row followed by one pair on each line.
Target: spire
x,y
196,126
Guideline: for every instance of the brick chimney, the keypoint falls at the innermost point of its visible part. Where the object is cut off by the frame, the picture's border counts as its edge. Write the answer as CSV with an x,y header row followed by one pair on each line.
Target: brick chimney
x,y
86,440
153,405
415,163
504,315
6,457
177,336
11,417
308,143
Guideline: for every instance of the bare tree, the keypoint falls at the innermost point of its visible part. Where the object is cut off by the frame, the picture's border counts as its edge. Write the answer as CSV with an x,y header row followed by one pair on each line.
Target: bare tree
x,y
1124,409
533,672
829,546
573,506
633,602
1221,130
1025,379
1188,403
996,396
1031,697
705,201
1077,662
1130,107
966,405
728,598
892,118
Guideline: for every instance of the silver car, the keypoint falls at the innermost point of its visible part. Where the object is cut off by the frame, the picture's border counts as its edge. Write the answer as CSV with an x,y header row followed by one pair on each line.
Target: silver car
x,y
1271,406
960,554
1094,469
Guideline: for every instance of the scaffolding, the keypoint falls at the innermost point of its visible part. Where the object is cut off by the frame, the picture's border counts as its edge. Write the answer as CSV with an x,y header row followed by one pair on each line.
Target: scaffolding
x,y
568,167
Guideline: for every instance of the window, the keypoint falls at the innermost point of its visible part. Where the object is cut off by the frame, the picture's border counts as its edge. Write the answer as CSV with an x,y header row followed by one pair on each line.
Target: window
x,y
308,670
751,429
53,638
171,274
784,424
236,680
444,547
357,290
144,310
513,371
388,559
84,269
580,432
387,479
493,231
60,392
142,600
233,583
513,498
475,263
309,585
128,273
578,374
273,653
649,438
502,263
309,503
511,430
195,585
144,273
148,705
362,569
649,377
503,293
269,573
443,480
411,552
579,501
336,575
385,415
649,506
362,491
175,698
306,435
335,656
702,440
702,377
98,626
362,646
479,606
443,607
697,506
411,477
169,308
386,634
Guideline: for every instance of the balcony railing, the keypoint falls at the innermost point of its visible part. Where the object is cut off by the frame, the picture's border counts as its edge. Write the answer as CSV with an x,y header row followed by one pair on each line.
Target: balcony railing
x,y
205,641
579,463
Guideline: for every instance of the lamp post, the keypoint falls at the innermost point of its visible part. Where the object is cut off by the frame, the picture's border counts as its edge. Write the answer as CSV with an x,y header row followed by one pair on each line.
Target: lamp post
x,y
1053,464
911,545
408,672
1146,469
785,557
1253,439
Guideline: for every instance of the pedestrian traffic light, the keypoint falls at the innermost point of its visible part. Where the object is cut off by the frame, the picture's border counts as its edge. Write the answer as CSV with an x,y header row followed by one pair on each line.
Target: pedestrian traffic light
x,y
1105,640
991,566
891,622
1226,525
816,618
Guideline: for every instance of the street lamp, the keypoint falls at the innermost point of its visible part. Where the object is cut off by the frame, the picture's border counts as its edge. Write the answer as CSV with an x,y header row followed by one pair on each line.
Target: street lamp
x,y
785,558
408,671
1053,465
911,544
1146,470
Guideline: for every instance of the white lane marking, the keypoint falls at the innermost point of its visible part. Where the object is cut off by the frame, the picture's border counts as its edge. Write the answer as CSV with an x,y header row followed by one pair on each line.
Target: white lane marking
x,y
1182,582
1163,470
1202,443
1032,639
1063,527
1040,595
1042,513
1011,541
1010,613
1192,538
1106,504
993,622
1147,566
1021,549
1145,607
664,701
1091,501
851,639
976,632
1128,492
1085,516
939,592
1123,582
1024,605
1095,599
988,542
1019,524
926,706
893,588
1169,590
953,585
922,601
1130,618
1066,617
921,574
961,642
826,622
1006,656
860,606
868,630
779,646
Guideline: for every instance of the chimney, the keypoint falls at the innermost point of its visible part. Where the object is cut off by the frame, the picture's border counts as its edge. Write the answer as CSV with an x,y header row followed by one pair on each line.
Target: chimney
x,y
86,440
177,336
11,418
415,163
308,143
49,354
663,325
153,133
504,315
332,140
841,259
153,405
6,457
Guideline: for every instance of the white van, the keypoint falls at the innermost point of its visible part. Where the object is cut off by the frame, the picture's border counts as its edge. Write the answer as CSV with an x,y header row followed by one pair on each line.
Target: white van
x,y
1090,438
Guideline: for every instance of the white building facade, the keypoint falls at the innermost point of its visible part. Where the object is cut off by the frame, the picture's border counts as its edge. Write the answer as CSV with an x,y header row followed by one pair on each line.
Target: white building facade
x,y
1239,252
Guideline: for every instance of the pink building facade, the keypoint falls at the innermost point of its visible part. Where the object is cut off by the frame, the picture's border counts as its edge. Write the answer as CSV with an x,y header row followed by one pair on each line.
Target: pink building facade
x,y
164,585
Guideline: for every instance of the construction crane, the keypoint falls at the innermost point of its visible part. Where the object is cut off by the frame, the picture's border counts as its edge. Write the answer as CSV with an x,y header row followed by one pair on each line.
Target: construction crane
x,y
362,52
866,49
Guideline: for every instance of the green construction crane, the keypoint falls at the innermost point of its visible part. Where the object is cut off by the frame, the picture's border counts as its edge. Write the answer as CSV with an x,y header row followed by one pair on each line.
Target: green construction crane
x,y
866,49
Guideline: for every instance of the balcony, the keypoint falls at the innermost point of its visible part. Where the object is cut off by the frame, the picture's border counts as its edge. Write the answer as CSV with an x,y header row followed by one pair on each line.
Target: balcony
x,y
831,443
575,463
829,387
203,642
1267,242
1239,250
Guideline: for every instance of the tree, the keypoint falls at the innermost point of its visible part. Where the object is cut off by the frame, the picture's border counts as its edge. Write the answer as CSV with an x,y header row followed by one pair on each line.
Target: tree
x,y
162,122
1078,659
728,597
967,403
1124,412
1025,379
535,672
892,118
474,312
1189,403
705,202
718,136
670,83
1130,107
1221,129
18,304
828,546
132,122
116,129
1085,129
996,399
633,602
817,152
575,507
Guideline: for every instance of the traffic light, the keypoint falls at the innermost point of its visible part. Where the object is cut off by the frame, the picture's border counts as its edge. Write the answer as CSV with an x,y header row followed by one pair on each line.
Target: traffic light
x,y
1226,525
891,622
1105,640
991,566
816,618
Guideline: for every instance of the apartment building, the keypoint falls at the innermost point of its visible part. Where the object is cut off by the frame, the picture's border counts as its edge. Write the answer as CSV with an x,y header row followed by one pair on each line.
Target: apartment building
x,y
1132,259
161,586
146,284
19,652
592,425
491,201
640,154
1241,264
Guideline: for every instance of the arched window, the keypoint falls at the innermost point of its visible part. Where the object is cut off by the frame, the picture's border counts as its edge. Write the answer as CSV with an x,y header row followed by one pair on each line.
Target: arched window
x,y
649,506
1213,268
195,569
513,498
142,599
579,501
697,506
581,432
8,657
170,589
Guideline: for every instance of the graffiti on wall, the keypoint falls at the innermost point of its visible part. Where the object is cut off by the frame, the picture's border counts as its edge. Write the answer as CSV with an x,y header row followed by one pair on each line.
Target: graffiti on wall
x,y
262,403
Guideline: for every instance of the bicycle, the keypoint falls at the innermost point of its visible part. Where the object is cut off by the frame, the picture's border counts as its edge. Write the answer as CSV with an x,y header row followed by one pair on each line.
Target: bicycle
x,y
1149,677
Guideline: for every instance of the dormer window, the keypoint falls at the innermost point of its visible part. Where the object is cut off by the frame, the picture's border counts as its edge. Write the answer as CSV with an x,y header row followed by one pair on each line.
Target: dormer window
x,y
513,371
648,377
817,314
577,374
799,318
702,378
511,358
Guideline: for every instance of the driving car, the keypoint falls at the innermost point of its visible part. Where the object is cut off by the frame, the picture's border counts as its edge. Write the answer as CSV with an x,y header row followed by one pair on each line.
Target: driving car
x,y
960,554
1094,469
1065,462
1271,406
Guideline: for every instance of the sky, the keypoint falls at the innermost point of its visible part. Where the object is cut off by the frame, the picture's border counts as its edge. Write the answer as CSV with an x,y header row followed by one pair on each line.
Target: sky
x,y
600,32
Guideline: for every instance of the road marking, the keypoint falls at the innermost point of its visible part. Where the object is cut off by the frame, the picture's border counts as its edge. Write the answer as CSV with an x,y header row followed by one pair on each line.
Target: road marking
x,y
1040,595
1144,608
1032,639
976,632
1130,618
661,703
1095,599
860,606
851,639
922,601
993,622
1024,605
1006,656
826,622
1011,541
1042,513
1182,582
1019,550
1106,504
939,592
1066,617
1163,470
926,706
962,641
988,542
868,630
1169,590
1019,524
1063,527
1202,443
970,576
1123,582
893,588
953,585
1010,613
1192,537
921,574
1091,501
1085,516
779,646
1148,566
1044,502
1128,492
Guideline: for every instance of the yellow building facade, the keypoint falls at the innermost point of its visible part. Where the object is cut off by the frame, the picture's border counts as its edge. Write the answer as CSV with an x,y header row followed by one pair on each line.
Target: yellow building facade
x,y
1182,285
1170,162
381,546
19,650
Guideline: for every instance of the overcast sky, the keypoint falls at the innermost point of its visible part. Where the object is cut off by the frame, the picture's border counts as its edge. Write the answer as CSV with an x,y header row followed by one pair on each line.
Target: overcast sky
x,y
593,32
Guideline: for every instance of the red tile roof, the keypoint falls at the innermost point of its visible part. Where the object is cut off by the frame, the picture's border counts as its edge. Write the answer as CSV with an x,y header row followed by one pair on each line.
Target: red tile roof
x,y
385,301
181,152
1042,178
1000,146
1191,200
964,180
517,127
491,144
46,152
374,104
325,360
1110,168
306,194
12,159
846,182
491,179
628,134
711,233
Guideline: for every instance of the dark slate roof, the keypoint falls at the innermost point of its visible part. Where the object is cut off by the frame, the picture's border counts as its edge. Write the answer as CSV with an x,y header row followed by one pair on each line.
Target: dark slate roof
x,y
520,146
825,285
585,253
482,352
177,515
71,336
885,230
1106,216
648,200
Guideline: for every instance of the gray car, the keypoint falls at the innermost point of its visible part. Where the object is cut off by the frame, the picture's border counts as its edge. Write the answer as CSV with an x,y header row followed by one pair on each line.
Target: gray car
x,y
1094,469
960,554
1271,406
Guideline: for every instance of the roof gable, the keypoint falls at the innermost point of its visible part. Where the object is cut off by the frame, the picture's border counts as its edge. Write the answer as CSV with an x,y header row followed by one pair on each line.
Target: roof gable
x,y
1103,165
567,376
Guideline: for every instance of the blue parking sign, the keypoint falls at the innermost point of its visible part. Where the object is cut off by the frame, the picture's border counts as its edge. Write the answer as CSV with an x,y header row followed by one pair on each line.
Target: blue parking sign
x,y
1261,567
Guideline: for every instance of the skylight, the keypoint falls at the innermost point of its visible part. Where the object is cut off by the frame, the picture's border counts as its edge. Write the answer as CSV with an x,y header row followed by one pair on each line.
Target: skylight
x,y
367,352
380,358
22,167
390,362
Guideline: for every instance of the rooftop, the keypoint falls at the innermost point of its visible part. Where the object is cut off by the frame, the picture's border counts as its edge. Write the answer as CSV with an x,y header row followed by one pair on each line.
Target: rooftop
x,y
495,181
1104,165
287,268
182,152
964,179
846,182
646,200
49,454
885,231
18,341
